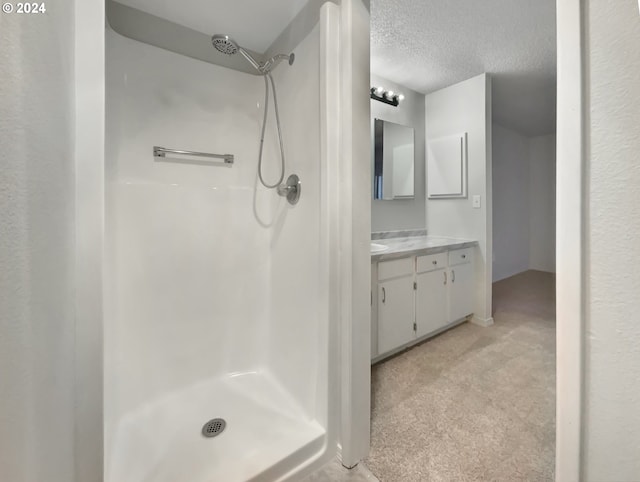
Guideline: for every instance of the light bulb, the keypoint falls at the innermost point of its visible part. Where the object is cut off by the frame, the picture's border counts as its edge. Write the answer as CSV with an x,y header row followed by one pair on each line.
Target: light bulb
x,y
400,97
389,95
379,90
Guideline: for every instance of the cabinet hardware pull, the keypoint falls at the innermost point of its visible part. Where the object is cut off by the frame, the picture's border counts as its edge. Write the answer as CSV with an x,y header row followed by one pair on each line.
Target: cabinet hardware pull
x,y
464,256
384,295
453,275
434,262
445,277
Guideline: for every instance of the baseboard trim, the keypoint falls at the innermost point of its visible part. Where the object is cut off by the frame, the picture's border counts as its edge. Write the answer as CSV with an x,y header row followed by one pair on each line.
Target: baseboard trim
x,y
417,341
482,321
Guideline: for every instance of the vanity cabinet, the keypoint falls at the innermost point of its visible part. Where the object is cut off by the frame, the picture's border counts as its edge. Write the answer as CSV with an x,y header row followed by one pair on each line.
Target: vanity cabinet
x,y
461,285
395,304
419,296
431,293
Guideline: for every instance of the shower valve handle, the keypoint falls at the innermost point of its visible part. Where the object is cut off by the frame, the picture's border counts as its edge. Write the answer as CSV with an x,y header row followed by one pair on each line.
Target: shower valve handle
x,y
284,190
291,189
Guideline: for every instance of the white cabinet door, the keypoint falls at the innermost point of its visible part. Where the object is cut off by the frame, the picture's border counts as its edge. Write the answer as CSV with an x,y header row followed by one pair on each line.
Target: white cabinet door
x,y
395,313
460,291
431,302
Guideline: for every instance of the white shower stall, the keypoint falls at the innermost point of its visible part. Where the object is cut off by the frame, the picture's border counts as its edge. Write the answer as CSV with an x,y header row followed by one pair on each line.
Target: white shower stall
x,y
218,293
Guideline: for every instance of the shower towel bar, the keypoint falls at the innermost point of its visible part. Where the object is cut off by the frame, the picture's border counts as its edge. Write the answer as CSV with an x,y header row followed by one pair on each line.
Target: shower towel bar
x,y
162,151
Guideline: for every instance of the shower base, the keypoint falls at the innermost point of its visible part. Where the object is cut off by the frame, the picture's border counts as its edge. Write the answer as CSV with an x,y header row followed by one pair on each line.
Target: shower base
x,y
266,435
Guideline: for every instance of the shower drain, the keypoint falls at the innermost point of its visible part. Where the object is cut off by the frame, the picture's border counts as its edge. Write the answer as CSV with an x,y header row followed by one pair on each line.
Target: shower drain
x,y
214,427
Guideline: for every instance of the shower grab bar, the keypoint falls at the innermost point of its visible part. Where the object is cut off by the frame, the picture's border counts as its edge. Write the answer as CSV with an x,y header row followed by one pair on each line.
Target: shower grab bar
x,y
162,151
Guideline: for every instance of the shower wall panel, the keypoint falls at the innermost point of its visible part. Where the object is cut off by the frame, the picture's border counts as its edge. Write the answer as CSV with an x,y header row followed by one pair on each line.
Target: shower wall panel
x,y
297,332
188,264
208,273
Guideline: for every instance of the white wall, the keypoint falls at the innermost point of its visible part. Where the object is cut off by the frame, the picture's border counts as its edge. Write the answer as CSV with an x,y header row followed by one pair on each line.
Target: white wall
x,y
37,222
466,107
354,230
542,203
523,202
612,332
89,242
401,213
511,207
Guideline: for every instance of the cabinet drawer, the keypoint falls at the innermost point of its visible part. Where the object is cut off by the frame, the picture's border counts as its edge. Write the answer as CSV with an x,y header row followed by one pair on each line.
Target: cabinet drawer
x,y
431,262
460,256
395,268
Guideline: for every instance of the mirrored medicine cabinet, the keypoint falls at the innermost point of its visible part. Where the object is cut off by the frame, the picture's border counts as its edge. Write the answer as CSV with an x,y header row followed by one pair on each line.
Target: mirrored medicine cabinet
x,y
393,152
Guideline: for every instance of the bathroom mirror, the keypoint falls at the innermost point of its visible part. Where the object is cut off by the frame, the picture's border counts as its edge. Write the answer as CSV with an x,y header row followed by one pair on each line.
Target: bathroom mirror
x,y
393,152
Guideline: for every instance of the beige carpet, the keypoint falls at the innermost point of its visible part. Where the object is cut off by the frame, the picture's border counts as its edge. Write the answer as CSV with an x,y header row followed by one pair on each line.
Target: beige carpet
x,y
473,403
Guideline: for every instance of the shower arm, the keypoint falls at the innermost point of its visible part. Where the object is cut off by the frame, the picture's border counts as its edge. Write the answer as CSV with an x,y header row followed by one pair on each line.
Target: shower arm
x,y
251,60
262,68
275,60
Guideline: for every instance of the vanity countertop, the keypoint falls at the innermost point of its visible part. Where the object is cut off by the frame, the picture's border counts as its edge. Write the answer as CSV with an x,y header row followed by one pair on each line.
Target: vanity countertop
x,y
420,245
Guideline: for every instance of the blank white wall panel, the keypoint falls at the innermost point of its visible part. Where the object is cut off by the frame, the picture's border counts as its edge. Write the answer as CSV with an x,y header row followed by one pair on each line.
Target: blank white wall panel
x,y
447,166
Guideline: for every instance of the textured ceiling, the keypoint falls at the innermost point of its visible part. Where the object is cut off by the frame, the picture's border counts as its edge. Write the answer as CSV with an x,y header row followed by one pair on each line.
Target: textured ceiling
x,y
429,44
253,24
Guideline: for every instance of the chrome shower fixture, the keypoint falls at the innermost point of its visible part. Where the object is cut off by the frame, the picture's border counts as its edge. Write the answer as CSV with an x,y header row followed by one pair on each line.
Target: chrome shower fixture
x,y
291,189
228,46
224,44
270,64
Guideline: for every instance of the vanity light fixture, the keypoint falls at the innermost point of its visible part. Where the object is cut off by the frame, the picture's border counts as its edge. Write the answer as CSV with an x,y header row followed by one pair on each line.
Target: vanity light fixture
x,y
387,96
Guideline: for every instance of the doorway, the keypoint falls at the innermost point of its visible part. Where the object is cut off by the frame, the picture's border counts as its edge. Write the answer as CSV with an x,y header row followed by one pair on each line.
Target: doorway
x,y
479,369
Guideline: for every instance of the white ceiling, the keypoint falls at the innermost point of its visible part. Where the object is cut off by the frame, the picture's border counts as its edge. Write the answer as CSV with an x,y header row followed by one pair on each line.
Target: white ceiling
x,y
429,44
253,24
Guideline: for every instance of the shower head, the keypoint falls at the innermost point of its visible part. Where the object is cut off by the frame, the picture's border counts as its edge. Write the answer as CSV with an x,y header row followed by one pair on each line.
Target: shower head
x,y
224,44
228,46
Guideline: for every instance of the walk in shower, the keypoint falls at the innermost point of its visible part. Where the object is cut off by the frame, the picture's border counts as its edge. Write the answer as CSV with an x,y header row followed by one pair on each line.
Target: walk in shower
x,y
218,342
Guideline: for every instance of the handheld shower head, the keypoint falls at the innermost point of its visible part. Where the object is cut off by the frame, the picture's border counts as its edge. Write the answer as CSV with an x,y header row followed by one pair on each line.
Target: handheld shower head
x,y
226,45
